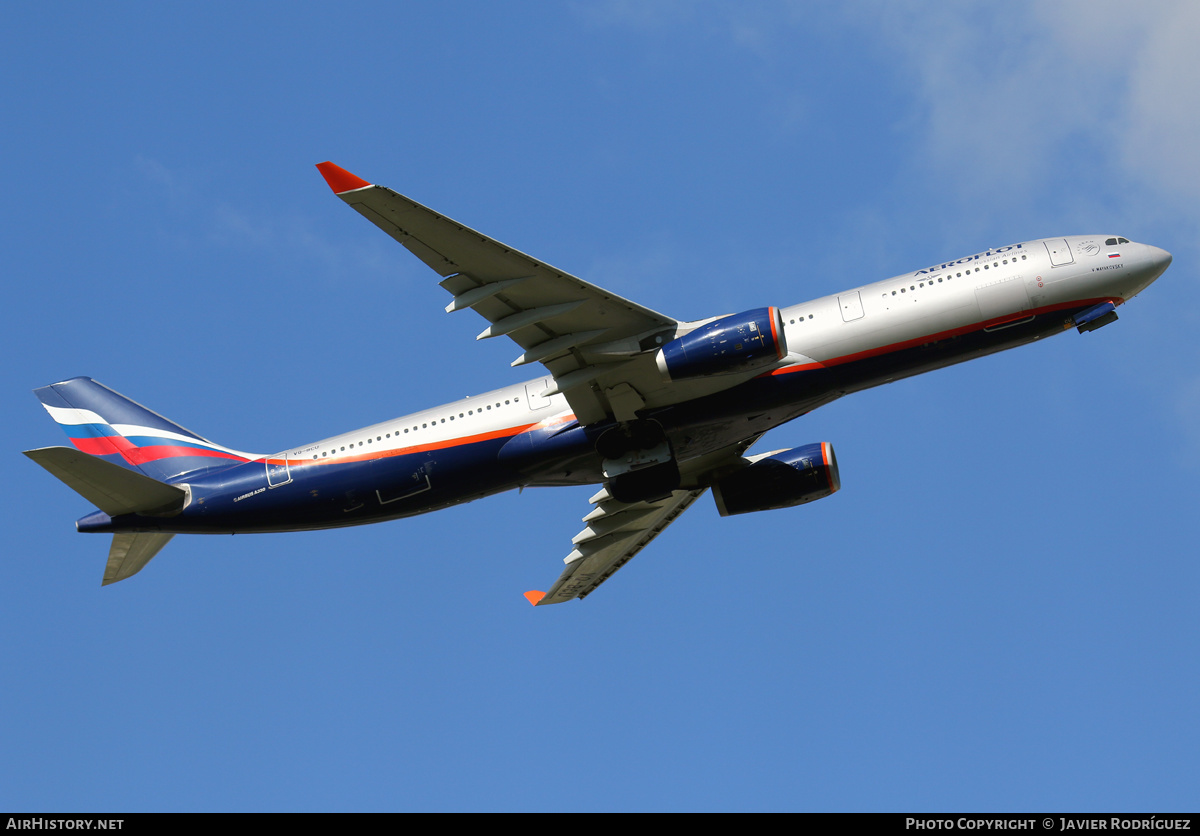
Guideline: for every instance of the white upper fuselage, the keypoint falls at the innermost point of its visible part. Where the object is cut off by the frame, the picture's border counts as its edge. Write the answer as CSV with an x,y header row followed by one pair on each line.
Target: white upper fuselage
x,y
992,286
1001,286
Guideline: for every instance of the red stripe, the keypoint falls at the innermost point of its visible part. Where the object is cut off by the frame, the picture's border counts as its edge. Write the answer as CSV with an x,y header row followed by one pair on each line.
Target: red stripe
x,y
954,332
116,445
421,448
775,333
825,458
804,367
109,445
140,455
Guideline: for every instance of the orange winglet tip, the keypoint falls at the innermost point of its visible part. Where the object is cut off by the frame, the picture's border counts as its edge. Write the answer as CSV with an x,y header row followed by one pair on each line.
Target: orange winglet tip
x,y
339,179
534,596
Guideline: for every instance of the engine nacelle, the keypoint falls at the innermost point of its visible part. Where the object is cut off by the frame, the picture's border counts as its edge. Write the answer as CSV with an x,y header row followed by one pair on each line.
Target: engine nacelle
x,y
736,343
779,480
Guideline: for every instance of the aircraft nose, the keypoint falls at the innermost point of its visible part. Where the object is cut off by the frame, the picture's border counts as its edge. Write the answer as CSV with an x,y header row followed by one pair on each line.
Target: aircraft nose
x,y
1160,259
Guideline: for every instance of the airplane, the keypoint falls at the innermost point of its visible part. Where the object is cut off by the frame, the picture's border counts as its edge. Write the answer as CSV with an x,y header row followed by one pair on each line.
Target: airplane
x,y
654,410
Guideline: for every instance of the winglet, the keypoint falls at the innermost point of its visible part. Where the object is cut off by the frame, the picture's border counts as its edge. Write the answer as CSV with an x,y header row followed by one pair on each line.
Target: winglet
x,y
535,596
339,179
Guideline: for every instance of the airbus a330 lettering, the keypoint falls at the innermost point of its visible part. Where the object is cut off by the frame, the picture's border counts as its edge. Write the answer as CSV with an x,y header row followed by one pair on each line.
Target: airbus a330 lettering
x,y
654,410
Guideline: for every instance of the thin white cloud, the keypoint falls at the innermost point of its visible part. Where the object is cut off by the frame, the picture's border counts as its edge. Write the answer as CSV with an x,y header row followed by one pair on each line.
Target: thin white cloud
x,y
1160,129
1011,94
174,186
281,234
1003,92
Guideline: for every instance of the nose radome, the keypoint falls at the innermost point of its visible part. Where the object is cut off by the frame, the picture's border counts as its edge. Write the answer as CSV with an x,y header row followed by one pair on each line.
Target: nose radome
x,y
1160,258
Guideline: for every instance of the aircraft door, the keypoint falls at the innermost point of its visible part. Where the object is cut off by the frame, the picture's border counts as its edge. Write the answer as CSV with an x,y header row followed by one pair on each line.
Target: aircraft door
x,y
278,470
533,394
1060,253
851,306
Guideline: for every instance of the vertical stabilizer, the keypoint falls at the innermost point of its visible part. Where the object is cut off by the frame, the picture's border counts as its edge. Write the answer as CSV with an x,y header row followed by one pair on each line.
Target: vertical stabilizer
x,y
108,425
130,553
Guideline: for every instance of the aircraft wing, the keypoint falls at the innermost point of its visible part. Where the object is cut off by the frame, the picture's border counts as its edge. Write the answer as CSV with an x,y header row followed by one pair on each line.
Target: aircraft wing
x,y
615,532
596,344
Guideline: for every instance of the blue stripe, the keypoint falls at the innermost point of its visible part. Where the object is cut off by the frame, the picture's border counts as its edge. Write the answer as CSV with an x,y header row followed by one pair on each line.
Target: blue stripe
x,y
88,430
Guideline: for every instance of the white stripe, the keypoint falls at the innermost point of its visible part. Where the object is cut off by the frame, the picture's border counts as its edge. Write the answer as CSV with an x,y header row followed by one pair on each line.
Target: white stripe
x,y
135,430
73,416
128,430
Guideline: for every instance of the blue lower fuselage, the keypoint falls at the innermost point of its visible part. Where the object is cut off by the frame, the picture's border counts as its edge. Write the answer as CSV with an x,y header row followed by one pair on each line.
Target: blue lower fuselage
x,y
314,493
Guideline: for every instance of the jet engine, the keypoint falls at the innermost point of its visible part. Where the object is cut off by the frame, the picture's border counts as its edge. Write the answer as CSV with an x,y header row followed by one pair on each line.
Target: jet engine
x,y
779,480
735,343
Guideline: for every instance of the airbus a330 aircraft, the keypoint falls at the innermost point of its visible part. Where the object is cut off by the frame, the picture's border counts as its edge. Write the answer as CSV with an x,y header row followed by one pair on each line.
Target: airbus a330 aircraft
x,y
654,410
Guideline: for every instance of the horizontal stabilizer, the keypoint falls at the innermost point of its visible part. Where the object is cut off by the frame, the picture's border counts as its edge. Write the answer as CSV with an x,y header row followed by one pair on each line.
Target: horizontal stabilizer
x,y
110,487
130,553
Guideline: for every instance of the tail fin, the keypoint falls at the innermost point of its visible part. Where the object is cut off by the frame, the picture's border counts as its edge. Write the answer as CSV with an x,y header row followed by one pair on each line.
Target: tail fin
x,y
108,425
130,553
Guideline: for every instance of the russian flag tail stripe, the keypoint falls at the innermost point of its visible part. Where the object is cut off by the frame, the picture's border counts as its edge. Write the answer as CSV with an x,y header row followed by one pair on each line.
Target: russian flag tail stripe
x,y
106,424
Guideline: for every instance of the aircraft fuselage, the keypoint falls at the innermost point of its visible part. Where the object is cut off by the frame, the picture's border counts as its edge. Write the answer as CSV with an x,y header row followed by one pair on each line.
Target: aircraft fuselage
x,y
516,436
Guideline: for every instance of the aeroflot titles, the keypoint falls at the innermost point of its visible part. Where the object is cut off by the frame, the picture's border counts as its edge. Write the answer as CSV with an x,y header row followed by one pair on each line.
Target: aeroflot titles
x,y
989,254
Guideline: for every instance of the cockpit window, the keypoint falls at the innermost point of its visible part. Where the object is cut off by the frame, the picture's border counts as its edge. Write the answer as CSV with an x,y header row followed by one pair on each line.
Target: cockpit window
x,y
1111,242
1122,240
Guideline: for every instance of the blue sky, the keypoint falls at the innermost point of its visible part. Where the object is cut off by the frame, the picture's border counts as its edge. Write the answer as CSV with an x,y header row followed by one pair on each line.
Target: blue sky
x,y
997,612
